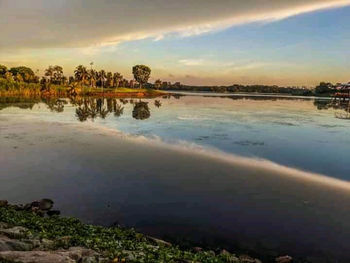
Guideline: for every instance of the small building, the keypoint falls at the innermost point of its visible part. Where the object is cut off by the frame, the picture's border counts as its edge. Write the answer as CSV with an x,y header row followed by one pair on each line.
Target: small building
x,y
343,91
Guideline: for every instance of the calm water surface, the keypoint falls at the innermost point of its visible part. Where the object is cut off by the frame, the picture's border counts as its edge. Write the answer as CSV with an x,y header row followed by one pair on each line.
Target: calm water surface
x,y
308,134
302,133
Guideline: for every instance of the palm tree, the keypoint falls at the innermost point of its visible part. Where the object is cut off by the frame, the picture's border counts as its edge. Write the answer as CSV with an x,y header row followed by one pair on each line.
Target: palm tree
x,y
118,78
102,78
81,73
109,80
49,73
92,77
58,74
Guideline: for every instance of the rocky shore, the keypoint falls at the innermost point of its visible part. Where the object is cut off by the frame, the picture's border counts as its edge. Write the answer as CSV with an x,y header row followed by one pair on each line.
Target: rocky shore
x,y
35,232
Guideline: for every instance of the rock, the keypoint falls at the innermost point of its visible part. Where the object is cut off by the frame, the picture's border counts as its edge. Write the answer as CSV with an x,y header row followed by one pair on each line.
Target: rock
x,y
34,204
36,256
4,225
15,232
53,213
47,244
159,242
63,241
3,203
248,259
73,255
284,259
7,244
81,254
45,204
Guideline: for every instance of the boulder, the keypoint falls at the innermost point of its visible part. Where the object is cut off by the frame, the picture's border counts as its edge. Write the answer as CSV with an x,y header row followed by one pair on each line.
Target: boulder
x,y
3,203
248,259
73,255
7,244
81,254
284,259
15,232
159,242
47,244
4,225
36,257
45,204
63,241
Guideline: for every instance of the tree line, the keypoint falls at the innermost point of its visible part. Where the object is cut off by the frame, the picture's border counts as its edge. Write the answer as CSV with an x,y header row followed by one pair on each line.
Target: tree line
x,y
106,79
82,75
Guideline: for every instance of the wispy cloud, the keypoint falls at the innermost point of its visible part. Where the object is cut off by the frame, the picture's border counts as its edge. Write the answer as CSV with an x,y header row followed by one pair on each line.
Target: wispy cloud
x,y
192,62
44,23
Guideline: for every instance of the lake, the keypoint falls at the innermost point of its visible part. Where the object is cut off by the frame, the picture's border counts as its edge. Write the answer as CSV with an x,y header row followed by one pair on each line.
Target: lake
x,y
191,191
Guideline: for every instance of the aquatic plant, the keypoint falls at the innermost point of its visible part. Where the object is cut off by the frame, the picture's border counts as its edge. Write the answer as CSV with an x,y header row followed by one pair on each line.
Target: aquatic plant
x,y
113,242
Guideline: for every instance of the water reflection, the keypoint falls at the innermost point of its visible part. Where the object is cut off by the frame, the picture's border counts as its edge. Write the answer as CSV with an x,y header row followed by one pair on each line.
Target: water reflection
x,y
55,105
341,105
157,103
90,108
141,111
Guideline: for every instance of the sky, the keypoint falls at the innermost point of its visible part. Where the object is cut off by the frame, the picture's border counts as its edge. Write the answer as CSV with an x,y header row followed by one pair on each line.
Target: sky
x,y
196,42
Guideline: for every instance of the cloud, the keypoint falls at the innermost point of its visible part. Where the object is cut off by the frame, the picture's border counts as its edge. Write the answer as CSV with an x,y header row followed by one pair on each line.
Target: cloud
x,y
191,62
85,23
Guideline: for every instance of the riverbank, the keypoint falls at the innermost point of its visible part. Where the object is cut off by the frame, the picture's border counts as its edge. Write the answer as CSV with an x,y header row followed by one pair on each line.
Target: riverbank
x,y
102,176
36,90
26,235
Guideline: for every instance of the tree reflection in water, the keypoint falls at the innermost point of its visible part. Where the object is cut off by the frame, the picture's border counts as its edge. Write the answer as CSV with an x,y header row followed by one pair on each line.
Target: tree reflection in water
x,y
157,103
117,109
92,108
141,111
341,105
55,105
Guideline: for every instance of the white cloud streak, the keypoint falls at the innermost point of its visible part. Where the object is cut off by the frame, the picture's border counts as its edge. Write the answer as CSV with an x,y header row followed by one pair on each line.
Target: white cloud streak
x,y
85,23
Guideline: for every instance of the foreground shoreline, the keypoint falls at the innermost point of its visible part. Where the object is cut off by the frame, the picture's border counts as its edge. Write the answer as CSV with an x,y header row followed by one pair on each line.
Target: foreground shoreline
x,y
26,235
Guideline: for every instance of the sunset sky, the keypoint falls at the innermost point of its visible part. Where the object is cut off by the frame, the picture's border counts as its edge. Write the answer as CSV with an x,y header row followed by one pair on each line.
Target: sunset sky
x,y
201,42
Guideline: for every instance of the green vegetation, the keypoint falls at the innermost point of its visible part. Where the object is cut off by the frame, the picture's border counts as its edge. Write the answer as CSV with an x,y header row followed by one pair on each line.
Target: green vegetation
x,y
115,243
23,81
141,74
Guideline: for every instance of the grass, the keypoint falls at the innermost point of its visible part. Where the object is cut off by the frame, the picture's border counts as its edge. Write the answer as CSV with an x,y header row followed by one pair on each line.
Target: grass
x,y
13,88
115,242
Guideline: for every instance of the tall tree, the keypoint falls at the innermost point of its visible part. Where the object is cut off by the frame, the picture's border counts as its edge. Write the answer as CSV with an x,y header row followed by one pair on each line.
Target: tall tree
x,y
109,80
141,74
23,74
117,78
92,77
49,73
8,75
3,70
101,76
81,74
58,74
158,84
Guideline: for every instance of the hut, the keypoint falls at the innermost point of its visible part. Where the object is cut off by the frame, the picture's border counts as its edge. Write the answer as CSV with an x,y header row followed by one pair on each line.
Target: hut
x,y
343,91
